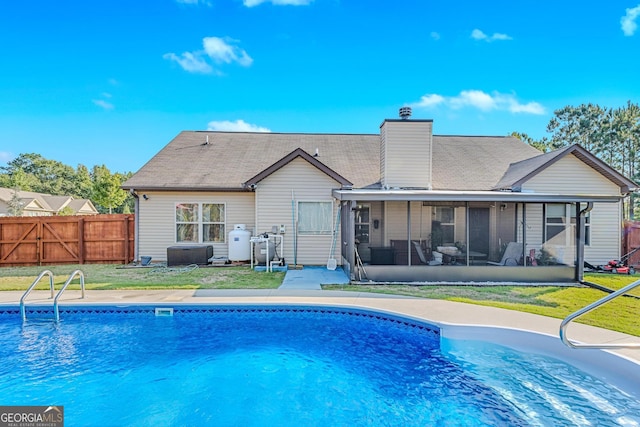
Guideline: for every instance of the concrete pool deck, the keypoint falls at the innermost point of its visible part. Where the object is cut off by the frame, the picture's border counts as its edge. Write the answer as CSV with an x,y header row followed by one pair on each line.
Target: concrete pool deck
x,y
434,311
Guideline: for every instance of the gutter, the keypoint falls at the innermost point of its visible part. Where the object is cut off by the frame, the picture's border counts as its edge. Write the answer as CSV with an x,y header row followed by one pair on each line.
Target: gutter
x,y
190,189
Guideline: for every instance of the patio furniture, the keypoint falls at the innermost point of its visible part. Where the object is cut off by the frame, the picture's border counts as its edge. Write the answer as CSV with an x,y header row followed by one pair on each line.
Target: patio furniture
x,y
512,255
423,258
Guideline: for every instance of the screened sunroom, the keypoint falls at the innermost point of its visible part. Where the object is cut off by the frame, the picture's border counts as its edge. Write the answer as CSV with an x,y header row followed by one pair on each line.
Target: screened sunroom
x,y
427,236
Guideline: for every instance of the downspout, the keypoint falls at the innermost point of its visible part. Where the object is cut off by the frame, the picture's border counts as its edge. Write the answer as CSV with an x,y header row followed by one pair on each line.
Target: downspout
x,y
136,227
350,238
524,234
409,232
580,239
466,236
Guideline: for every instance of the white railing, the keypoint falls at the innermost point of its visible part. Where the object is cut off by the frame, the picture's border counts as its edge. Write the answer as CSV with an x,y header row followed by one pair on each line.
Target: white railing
x,y
568,319
23,312
80,274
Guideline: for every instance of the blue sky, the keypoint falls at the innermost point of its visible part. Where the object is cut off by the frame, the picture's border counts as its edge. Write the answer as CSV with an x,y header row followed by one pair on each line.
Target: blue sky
x,y
113,81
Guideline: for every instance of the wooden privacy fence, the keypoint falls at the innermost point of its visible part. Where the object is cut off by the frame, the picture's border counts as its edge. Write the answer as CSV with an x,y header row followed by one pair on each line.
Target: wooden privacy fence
x,y
47,240
631,242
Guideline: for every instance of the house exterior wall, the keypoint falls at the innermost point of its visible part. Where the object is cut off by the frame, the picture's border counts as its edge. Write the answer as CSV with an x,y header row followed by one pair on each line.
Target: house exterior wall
x,y
570,175
405,153
299,181
157,219
396,222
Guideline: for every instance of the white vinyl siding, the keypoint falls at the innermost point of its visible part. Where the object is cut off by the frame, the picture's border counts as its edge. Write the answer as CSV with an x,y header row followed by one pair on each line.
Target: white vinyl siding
x,y
395,214
570,175
277,197
406,151
396,222
157,219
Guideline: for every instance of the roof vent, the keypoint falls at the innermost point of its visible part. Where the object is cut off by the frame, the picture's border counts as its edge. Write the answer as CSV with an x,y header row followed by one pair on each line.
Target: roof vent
x,y
405,113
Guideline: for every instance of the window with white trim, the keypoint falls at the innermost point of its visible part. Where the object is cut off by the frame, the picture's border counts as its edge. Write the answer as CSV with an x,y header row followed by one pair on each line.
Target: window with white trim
x,y
445,218
315,218
200,223
559,218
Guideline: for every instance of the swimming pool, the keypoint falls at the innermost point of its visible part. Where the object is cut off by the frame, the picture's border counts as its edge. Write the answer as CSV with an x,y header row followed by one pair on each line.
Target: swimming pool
x,y
285,365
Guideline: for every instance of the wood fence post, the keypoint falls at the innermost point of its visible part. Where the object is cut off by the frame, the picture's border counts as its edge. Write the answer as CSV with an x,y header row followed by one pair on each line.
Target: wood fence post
x,y
81,241
39,232
125,221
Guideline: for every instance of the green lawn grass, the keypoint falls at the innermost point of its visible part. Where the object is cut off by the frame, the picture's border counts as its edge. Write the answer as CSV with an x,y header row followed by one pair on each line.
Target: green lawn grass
x,y
104,276
621,314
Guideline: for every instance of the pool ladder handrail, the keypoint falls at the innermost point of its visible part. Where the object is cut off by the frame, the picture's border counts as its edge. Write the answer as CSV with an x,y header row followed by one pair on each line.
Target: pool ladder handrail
x,y
33,285
80,274
563,326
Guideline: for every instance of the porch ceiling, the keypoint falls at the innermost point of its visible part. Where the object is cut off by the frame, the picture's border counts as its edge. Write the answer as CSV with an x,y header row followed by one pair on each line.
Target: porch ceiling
x,y
468,196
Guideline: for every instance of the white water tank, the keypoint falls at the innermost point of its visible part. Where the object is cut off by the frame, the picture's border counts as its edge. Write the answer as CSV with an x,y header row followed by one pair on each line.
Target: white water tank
x,y
239,244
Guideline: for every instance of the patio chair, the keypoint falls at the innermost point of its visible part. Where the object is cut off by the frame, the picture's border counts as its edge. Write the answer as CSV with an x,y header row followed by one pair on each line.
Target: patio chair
x,y
423,258
512,255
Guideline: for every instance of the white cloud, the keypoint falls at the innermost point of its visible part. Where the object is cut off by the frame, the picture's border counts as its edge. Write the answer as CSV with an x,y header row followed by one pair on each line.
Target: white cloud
x,y
479,35
473,98
220,50
480,100
252,3
103,104
191,62
628,21
223,50
6,156
237,126
430,100
434,35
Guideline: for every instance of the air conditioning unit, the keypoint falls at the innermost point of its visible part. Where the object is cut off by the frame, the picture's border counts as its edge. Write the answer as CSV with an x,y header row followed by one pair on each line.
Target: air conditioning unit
x,y
185,255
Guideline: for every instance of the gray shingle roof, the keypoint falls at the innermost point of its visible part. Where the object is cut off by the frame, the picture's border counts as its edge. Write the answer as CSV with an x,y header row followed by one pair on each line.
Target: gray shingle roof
x,y
475,162
232,158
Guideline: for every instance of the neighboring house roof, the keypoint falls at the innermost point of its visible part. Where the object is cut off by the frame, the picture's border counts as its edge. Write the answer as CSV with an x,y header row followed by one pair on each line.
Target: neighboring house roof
x,y
57,203
47,204
230,159
520,172
83,206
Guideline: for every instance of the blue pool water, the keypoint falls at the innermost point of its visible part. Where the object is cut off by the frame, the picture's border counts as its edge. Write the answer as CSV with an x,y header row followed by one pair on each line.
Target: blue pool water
x,y
268,366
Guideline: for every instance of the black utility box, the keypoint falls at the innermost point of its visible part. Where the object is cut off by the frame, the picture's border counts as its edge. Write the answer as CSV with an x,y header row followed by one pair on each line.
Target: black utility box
x,y
382,255
185,255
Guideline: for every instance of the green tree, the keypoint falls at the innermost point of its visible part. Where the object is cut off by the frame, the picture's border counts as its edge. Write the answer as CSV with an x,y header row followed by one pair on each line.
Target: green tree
x,y
83,184
578,125
613,135
15,205
106,188
542,145
42,175
17,178
66,211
